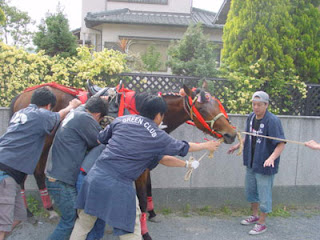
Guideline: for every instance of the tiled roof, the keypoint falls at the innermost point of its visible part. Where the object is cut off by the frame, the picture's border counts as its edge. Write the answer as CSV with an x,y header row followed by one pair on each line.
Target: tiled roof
x,y
128,16
143,1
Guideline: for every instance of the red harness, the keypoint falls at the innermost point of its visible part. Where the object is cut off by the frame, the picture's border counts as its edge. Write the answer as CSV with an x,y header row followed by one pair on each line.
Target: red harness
x,y
81,94
127,101
201,119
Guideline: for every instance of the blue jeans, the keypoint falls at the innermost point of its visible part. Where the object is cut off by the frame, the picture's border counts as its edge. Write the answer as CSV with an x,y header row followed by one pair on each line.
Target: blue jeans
x,y
97,231
64,196
259,189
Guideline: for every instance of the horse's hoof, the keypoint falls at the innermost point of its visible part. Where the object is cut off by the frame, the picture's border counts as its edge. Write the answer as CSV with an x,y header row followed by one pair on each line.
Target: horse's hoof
x,y
53,215
29,214
154,219
146,236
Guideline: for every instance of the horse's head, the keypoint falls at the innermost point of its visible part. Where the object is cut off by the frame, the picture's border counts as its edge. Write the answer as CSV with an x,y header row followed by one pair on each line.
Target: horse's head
x,y
207,116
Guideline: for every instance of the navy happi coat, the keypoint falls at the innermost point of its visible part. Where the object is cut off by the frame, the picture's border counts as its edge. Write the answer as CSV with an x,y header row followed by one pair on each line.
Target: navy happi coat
x,y
134,143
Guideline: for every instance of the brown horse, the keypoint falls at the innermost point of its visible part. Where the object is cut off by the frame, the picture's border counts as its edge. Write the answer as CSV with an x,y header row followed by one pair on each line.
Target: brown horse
x,y
179,111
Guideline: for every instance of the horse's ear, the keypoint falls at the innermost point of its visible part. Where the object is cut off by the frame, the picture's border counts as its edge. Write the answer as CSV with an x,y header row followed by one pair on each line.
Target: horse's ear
x,y
205,85
187,90
89,87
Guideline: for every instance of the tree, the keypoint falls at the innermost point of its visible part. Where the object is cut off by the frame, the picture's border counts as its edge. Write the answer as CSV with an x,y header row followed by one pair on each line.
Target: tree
x,y
2,17
20,69
193,55
54,36
259,52
15,30
151,59
256,30
306,19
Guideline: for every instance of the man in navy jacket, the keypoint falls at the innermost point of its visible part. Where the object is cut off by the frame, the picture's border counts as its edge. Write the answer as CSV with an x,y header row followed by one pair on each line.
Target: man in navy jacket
x,y
261,156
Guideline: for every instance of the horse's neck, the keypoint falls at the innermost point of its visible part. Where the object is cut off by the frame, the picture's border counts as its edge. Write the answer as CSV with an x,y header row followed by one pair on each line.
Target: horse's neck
x,y
176,114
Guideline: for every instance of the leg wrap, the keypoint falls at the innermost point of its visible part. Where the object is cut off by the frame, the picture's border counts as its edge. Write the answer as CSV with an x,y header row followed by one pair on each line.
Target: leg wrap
x,y
150,204
143,220
46,201
24,198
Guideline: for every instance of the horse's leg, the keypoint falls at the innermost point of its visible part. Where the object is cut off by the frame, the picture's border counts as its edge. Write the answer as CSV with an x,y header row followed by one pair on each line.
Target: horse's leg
x,y
40,179
29,214
150,206
141,188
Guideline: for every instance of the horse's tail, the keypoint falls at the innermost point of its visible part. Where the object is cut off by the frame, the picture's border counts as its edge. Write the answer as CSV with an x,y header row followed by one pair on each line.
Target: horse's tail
x,y
13,101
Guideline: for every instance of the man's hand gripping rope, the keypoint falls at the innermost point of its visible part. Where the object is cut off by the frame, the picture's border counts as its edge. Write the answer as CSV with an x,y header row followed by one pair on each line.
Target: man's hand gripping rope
x,y
192,163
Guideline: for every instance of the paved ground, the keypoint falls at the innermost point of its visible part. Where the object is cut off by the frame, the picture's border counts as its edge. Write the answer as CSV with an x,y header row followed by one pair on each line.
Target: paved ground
x,y
300,226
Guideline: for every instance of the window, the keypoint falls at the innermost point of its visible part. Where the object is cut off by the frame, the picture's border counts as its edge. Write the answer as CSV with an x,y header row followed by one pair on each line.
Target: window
x,y
164,2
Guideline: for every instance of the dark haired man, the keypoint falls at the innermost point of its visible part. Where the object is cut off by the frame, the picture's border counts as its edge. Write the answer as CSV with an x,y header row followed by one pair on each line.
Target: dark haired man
x,y
20,150
261,156
134,143
77,133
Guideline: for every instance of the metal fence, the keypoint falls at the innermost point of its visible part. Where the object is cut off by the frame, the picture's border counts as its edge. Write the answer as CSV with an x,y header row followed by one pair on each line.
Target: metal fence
x,y
141,82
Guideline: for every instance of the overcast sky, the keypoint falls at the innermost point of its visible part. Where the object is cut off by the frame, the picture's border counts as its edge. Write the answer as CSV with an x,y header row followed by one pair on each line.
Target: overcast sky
x,y
72,8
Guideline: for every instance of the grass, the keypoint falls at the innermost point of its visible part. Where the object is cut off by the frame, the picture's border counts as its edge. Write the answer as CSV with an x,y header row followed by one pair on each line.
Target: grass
x,y
224,211
35,207
281,211
166,211
228,210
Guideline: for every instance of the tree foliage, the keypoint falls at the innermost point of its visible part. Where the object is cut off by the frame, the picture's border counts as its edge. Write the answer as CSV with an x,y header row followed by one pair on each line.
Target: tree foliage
x,y
193,55
260,51
54,36
306,19
151,59
15,29
20,69
2,17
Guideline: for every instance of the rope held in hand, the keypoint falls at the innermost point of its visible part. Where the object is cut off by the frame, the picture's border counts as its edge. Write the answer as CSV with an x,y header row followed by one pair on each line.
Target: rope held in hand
x,y
191,159
273,138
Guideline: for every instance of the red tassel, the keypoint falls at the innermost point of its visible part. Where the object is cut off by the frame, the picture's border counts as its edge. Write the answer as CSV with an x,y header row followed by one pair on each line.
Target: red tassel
x,y
143,221
46,201
24,198
150,206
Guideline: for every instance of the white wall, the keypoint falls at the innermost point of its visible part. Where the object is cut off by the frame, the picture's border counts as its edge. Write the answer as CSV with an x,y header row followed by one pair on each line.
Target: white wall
x,y
111,32
90,6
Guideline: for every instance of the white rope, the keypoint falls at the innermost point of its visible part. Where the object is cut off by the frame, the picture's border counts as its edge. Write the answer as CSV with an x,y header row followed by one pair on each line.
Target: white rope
x,y
273,138
190,169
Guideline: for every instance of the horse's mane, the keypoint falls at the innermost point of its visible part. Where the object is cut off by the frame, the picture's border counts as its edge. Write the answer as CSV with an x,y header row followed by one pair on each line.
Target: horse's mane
x,y
200,91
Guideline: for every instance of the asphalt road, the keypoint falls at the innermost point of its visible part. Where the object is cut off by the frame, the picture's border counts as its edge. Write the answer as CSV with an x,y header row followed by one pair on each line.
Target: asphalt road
x,y
300,226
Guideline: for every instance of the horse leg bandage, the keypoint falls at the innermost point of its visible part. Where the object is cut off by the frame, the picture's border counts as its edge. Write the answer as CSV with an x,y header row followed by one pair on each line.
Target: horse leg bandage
x,y
46,201
150,206
143,221
24,198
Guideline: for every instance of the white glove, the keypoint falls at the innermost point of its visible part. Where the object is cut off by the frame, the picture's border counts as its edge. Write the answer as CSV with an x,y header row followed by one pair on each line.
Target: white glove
x,y
192,164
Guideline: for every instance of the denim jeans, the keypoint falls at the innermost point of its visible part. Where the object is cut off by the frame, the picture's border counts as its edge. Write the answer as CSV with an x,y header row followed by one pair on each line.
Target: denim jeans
x,y
64,196
259,189
97,231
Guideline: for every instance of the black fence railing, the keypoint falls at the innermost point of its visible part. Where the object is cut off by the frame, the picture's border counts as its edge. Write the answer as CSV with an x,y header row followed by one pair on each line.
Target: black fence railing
x,y
140,82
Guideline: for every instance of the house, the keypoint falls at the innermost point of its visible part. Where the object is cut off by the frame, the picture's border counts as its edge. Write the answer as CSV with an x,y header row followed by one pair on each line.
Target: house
x,y
136,24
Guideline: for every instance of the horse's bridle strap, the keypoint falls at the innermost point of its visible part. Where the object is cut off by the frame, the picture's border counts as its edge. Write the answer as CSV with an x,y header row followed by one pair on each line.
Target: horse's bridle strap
x,y
215,119
194,110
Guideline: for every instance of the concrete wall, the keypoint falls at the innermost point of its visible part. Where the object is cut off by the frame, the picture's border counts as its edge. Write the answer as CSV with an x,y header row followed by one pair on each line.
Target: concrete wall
x,y
220,180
